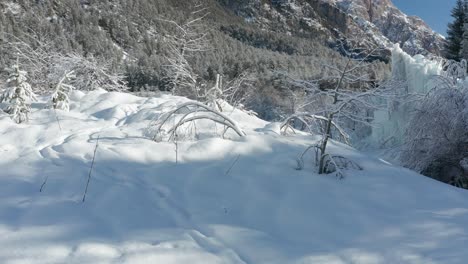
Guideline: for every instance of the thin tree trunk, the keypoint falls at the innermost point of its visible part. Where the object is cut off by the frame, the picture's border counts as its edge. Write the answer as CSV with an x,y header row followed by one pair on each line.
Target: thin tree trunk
x,y
323,147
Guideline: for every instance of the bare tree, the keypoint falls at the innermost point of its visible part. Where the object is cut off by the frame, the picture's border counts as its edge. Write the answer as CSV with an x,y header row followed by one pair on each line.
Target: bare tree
x,y
214,94
234,92
190,38
90,73
45,66
436,138
33,56
345,95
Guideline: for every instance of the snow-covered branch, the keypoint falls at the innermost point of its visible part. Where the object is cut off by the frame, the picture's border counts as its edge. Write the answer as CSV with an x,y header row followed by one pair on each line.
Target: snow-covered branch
x,y
59,98
187,113
189,38
45,67
311,122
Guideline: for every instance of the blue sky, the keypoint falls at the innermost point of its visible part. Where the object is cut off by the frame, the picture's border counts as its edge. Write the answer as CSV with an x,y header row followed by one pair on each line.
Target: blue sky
x,y
436,13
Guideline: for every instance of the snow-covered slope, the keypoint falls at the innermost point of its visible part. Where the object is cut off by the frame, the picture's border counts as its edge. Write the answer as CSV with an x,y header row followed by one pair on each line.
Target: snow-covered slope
x,y
237,200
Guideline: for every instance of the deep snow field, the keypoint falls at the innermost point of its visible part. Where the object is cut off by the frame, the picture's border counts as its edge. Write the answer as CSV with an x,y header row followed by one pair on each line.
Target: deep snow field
x,y
142,207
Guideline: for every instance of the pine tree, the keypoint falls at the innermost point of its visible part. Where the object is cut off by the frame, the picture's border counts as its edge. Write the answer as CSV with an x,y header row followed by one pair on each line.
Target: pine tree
x,y
455,31
464,43
59,98
18,95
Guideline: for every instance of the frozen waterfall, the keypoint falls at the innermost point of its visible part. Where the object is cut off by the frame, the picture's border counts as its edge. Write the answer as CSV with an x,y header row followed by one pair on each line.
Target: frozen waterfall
x,y
418,74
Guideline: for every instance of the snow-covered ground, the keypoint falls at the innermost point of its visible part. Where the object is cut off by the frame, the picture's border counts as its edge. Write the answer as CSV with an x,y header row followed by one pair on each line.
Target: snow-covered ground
x,y
142,207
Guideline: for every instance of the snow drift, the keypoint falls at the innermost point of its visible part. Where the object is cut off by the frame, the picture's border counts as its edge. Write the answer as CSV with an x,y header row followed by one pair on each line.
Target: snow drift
x,y
233,200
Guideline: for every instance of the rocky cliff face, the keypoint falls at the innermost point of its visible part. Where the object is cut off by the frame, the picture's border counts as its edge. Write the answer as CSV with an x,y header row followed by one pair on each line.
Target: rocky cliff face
x,y
379,20
411,32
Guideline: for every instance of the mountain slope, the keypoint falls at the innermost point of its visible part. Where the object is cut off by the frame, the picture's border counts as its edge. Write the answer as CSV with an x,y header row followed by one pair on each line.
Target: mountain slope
x,y
234,200
266,39
129,38
411,32
380,20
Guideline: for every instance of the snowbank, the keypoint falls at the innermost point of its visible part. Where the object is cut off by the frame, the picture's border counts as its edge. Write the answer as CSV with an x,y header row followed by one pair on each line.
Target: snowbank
x,y
142,207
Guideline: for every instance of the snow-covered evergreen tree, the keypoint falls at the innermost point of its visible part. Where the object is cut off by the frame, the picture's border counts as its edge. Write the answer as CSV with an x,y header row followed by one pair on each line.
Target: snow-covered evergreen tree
x,y
60,99
455,31
17,95
464,42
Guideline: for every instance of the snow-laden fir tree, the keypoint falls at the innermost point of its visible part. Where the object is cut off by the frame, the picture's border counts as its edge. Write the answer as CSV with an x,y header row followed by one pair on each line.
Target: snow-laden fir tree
x,y
464,42
60,99
18,95
455,31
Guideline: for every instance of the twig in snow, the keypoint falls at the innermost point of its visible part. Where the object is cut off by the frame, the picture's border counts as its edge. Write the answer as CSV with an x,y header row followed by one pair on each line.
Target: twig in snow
x,y
57,119
176,148
232,165
300,159
44,183
91,169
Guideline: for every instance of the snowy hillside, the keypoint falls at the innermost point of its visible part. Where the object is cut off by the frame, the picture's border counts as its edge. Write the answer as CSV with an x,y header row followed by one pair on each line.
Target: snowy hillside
x,y
237,200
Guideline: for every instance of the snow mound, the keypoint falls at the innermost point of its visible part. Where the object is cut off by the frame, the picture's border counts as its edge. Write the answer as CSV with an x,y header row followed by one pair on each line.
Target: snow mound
x,y
237,200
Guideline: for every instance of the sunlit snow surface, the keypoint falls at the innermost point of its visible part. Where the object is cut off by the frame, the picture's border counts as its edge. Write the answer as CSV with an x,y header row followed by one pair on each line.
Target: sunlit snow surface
x,y
142,207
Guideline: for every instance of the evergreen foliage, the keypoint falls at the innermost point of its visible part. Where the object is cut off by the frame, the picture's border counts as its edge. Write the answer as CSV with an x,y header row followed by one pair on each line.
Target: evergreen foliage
x,y
455,31
17,96
464,42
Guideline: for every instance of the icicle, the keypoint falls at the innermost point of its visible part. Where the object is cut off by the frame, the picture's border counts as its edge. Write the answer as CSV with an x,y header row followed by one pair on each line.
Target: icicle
x,y
418,72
